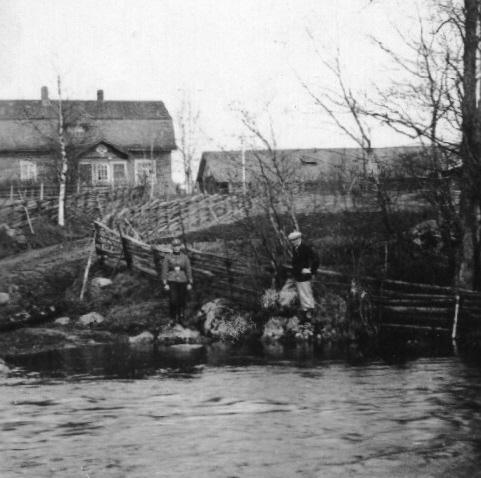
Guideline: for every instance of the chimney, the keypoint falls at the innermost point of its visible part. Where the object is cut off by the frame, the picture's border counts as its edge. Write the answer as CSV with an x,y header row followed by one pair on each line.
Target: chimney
x,y
44,95
100,95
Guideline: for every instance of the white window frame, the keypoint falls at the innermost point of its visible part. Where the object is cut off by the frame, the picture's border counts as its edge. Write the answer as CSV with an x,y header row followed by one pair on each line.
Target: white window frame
x,y
28,170
139,165
95,169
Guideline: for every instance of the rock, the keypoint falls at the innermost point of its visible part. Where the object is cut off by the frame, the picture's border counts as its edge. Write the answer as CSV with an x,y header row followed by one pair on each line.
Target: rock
x,y
332,309
143,338
62,321
101,282
4,298
91,318
293,325
274,329
7,230
270,299
288,294
3,368
212,311
186,347
178,334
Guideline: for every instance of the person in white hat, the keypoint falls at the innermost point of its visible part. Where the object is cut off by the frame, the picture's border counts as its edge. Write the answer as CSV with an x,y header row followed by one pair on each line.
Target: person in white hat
x,y
305,263
177,279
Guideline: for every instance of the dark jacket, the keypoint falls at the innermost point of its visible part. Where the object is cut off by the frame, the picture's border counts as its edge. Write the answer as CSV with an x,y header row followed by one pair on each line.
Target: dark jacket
x,y
304,256
176,268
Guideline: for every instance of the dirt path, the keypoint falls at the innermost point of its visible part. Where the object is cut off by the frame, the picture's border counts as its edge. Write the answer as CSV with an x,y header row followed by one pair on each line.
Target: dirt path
x,y
36,263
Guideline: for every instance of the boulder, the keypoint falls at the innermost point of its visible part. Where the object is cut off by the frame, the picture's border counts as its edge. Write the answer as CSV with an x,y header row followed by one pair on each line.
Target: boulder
x,y
293,325
270,299
212,311
288,294
3,368
274,329
7,230
332,309
178,334
101,282
91,318
62,321
143,338
4,298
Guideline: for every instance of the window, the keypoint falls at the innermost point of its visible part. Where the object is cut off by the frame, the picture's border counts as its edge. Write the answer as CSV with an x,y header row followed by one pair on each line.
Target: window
x,y
119,172
28,170
101,173
144,171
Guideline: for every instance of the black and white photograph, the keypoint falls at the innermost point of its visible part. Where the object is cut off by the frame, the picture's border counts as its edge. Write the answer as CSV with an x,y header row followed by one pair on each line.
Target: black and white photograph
x,y
240,238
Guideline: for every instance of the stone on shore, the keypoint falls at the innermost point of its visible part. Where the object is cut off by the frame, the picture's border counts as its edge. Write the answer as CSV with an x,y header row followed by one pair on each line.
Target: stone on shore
x,y
3,368
4,298
144,338
101,282
288,294
222,322
178,334
274,329
62,321
92,318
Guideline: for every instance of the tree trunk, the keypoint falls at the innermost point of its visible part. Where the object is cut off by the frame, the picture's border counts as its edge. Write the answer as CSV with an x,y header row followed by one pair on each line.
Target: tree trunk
x,y
63,160
470,265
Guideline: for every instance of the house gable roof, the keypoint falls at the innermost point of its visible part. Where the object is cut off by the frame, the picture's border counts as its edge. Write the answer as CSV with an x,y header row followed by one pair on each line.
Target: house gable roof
x,y
30,125
118,151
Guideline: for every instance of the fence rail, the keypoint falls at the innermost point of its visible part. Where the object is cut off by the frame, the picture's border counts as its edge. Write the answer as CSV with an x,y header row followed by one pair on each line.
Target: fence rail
x,y
397,304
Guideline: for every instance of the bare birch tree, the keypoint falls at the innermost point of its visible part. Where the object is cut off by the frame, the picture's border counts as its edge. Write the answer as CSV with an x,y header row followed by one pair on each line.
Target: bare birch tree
x,y
188,129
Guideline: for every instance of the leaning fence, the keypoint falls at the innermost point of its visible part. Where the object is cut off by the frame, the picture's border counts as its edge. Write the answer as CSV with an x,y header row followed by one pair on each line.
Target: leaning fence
x,y
237,280
396,305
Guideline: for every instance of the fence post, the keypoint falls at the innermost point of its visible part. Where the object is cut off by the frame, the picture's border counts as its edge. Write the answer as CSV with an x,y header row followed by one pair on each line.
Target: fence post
x,y
41,191
454,332
157,261
98,243
11,192
125,248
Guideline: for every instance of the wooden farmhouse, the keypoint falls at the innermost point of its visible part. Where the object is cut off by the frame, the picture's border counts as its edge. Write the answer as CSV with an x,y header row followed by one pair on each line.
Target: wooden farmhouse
x,y
108,143
330,169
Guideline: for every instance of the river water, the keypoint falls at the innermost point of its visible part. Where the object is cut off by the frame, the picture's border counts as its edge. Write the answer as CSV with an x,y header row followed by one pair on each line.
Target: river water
x,y
108,411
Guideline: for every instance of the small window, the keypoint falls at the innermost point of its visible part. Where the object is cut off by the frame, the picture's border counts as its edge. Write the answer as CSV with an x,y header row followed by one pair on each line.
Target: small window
x,y
101,173
28,171
144,171
308,160
119,171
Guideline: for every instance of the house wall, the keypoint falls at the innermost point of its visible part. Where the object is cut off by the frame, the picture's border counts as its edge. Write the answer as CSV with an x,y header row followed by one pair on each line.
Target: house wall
x,y
163,161
10,167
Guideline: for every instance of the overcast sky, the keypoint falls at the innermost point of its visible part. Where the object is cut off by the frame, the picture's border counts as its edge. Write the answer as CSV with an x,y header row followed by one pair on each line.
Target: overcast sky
x,y
226,54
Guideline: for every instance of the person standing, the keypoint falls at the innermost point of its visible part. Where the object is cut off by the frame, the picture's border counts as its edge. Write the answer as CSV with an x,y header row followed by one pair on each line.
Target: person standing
x,y
305,263
177,280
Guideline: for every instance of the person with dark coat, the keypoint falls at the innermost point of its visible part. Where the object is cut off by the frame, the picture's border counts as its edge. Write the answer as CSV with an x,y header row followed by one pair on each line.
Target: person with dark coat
x,y
305,263
177,280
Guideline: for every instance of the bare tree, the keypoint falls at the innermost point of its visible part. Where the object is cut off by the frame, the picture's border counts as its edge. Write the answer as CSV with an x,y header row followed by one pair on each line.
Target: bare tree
x,y
188,127
434,100
65,130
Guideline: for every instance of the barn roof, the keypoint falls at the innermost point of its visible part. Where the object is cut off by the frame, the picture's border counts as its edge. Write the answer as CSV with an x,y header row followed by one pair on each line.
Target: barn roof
x,y
306,164
30,124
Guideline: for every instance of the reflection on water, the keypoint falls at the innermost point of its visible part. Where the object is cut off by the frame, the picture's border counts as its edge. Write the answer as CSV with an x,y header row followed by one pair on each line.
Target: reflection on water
x,y
109,411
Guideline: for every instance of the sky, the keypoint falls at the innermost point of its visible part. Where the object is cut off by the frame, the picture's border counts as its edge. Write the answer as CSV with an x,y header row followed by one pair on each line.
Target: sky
x,y
223,55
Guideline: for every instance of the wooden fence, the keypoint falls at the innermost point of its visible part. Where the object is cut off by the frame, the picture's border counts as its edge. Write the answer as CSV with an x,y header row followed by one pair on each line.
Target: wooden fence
x,y
156,218
397,305
93,204
239,281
